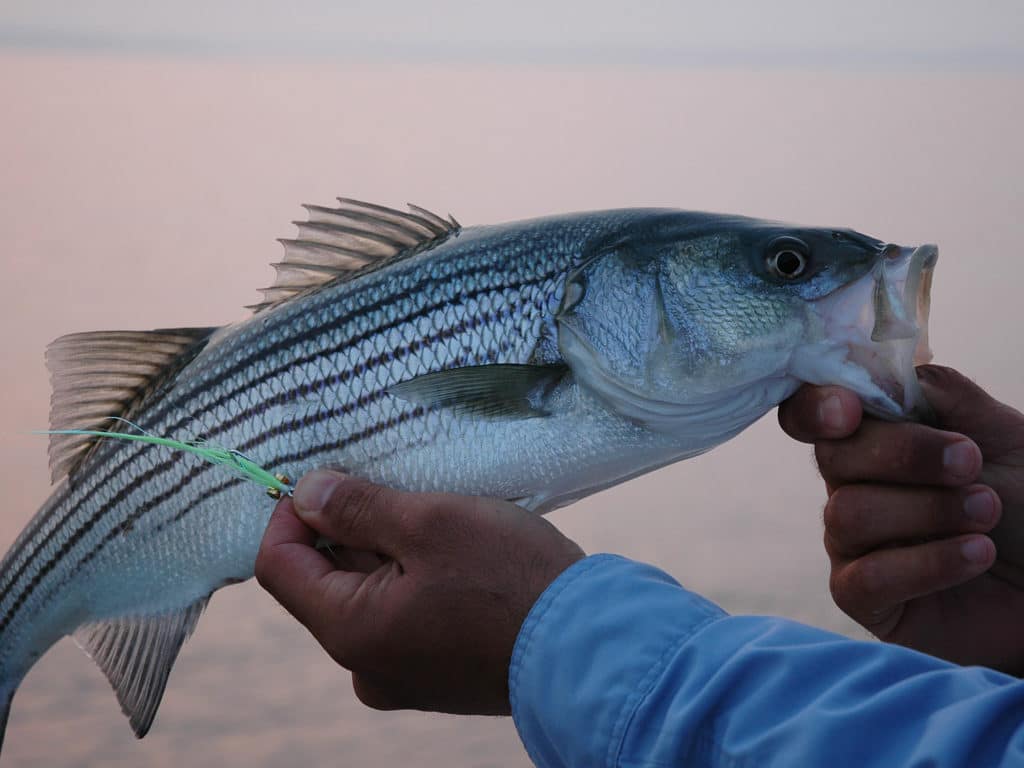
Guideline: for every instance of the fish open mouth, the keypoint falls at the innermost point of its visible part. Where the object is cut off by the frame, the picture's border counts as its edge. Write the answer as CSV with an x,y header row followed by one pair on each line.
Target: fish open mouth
x,y
877,332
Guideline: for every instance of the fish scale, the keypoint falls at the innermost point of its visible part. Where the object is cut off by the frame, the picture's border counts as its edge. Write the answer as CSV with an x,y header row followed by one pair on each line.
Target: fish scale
x,y
415,353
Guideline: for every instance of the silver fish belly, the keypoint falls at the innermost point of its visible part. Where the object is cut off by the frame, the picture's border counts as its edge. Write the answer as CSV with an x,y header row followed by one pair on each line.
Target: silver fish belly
x,y
538,361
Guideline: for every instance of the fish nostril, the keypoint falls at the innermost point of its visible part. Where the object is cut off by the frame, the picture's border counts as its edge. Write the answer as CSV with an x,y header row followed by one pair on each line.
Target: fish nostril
x,y
891,251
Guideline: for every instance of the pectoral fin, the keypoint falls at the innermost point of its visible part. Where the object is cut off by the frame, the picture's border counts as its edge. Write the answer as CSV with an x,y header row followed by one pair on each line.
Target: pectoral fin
x,y
498,390
136,654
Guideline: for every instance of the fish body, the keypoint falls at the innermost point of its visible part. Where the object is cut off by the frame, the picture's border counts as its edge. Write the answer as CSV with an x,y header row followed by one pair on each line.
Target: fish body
x,y
537,361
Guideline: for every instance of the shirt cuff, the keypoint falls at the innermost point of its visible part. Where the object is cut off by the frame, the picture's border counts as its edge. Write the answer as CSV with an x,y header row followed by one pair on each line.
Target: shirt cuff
x,y
572,692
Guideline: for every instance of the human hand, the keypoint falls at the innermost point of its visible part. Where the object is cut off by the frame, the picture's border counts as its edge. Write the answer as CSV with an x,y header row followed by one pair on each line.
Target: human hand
x,y
427,594
909,506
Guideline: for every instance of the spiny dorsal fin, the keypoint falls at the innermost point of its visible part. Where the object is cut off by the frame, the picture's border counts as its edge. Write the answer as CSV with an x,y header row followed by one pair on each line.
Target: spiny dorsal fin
x,y
338,242
136,654
494,391
102,374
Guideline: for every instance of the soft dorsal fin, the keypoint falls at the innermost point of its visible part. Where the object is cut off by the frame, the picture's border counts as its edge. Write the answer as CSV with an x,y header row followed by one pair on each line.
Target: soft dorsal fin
x,y
338,242
136,654
102,374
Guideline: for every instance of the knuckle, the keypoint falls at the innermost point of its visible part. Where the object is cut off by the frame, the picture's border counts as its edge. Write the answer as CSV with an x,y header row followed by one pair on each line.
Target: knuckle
x,y
796,415
844,514
826,453
262,570
859,587
839,587
373,695
942,562
416,516
265,569
341,653
941,512
446,512
362,496
355,503
432,518
940,376
916,453
891,450
849,518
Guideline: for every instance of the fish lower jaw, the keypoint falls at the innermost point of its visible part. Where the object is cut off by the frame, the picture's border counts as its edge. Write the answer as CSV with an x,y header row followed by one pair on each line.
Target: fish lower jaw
x,y
837,364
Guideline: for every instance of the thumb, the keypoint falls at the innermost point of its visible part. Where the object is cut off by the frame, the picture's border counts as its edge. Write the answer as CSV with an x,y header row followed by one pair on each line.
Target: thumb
x,y
962,406
351,512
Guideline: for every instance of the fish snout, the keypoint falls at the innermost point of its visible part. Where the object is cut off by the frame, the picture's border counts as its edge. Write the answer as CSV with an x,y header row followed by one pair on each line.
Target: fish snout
x,y
877,329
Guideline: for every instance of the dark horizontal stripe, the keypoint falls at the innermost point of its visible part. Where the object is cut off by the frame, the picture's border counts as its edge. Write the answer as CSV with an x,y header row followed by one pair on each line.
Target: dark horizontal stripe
x,y
12,578
118,531
287,427
126,525
51,507
305,334
73,540
344,376
364,434
144,477
210,493
348,374
223,399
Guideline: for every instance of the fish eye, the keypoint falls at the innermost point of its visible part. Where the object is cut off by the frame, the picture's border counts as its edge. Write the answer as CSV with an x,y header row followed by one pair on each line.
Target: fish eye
x,y
787,259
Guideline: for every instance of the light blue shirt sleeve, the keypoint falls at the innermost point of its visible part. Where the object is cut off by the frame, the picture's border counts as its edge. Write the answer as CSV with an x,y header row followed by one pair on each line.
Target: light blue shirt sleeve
x,y
618,665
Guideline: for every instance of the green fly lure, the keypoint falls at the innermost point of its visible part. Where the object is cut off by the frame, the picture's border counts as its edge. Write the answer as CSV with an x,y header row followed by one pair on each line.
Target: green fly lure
x,y
277,485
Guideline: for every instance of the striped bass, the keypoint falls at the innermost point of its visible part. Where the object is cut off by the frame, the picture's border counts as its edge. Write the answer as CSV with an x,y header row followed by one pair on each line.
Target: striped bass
x,y
538,361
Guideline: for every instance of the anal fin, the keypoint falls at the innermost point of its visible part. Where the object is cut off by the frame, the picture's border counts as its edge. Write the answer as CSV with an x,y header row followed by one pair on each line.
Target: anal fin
x,y
136,654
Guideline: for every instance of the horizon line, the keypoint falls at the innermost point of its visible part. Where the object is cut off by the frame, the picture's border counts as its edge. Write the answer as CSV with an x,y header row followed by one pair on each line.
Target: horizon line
x,y
950,60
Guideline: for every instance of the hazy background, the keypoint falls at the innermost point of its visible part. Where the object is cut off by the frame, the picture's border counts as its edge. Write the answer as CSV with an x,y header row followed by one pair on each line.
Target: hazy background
x,y
151,155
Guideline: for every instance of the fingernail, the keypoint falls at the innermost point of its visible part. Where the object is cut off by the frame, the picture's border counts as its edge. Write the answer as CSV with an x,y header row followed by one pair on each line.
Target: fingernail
x,y
314,490
830,413
976,549
980,508
960,460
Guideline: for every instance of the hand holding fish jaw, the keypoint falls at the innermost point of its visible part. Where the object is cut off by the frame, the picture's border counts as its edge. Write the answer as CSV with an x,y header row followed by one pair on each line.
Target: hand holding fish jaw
x,y
430,625
908,512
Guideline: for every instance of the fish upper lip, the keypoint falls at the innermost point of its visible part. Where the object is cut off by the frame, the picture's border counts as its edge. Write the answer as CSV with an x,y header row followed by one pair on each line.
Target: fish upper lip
x,y
899,307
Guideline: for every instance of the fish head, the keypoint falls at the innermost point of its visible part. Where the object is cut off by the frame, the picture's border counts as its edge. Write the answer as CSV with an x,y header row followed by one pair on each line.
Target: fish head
x,y
700,323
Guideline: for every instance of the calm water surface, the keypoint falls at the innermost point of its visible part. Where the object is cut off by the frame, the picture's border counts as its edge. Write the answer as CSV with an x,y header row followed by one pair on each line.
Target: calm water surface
x,y
147,192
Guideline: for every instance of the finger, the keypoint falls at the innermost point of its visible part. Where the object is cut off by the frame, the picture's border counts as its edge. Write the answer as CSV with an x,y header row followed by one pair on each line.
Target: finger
x,y
289,567
904,453
870,588
860,518
820,413
287,549
354,513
